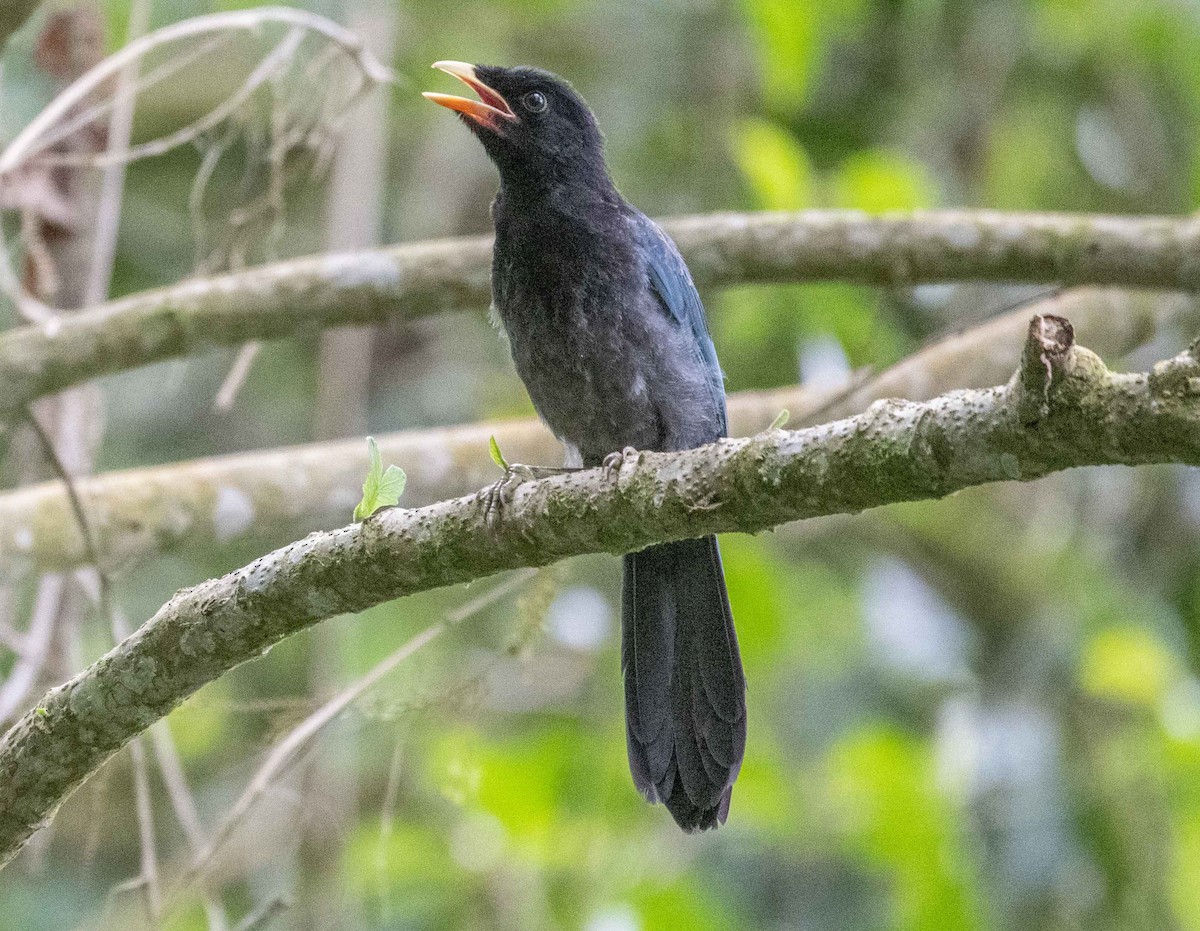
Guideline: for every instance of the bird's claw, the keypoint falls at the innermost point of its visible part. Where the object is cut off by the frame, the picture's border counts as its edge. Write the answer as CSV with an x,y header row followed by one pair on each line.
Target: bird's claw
x,y
614,461
500,494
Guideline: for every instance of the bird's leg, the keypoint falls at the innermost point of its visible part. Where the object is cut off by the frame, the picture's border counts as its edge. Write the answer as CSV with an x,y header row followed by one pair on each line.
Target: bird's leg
x,y
614,461
499,495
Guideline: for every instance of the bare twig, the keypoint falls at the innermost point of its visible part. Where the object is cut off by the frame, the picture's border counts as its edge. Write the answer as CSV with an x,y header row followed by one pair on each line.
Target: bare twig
x,y
30,141
74,110
99,587
112,184
155,76
180,794
387,819
148,876
70,41
231,387
265,914
267,70
78,513
34,646
285,753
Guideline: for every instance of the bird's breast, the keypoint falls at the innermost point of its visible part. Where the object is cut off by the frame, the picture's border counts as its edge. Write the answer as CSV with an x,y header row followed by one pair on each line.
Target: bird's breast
x,y
574,342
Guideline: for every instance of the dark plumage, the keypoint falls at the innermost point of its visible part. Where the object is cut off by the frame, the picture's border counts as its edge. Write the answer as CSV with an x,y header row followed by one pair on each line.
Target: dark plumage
x,y
608,334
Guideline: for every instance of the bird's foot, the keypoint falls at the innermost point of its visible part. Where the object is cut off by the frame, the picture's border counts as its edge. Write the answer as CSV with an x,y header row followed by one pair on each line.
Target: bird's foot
x,y
614,461
500,494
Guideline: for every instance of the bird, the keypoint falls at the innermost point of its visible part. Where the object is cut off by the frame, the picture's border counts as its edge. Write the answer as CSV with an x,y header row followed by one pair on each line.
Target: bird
x,y
608,334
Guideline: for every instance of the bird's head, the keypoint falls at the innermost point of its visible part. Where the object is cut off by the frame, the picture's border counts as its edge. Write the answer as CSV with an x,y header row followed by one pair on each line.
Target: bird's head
x,y
532,123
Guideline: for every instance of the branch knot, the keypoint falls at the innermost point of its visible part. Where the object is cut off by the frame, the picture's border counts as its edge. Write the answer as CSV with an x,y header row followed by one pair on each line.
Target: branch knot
x,y
1043,361
1177,377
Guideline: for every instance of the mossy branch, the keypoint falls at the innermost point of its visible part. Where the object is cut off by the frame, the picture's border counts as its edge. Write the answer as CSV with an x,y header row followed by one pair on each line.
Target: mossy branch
x,y
1062,409
301,295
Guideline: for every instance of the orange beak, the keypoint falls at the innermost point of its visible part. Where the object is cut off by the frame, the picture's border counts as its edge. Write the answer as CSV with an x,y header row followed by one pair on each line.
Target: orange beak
x,y
490,110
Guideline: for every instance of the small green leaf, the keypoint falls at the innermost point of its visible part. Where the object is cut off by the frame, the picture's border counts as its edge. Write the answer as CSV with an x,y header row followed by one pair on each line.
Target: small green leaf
x,y
780,419
392,486
381,488
497,456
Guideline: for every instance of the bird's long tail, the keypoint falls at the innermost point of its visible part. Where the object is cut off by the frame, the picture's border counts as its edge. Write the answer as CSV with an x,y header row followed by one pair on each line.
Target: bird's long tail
x,y
685,694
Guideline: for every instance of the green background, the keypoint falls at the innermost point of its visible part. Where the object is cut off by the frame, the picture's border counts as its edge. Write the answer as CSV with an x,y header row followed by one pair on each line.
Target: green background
x,y
976,713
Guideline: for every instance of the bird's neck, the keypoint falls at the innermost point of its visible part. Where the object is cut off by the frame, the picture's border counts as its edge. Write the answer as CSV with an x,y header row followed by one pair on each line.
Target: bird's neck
x,y
567,189
546,207
549,233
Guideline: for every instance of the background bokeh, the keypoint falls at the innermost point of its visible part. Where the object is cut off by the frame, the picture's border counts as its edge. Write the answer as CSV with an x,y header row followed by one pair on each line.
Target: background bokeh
x,y
977,713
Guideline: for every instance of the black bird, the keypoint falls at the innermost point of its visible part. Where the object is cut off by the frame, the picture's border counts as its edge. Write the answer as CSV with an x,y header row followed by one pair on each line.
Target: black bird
x,y
608,334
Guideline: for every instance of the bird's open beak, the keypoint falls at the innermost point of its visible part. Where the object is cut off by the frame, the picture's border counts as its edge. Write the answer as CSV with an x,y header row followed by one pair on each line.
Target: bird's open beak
x,y
490,110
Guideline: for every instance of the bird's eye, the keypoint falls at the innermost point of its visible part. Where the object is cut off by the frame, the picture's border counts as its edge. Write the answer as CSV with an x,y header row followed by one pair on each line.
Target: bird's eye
x,y
534,102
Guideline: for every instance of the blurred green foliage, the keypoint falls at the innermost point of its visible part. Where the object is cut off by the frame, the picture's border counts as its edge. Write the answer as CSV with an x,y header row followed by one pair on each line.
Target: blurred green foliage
x,y
982,713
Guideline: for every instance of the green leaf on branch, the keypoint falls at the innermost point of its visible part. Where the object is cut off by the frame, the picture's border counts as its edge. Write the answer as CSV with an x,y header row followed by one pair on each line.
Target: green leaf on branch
x,y
780,419
382,488
497,456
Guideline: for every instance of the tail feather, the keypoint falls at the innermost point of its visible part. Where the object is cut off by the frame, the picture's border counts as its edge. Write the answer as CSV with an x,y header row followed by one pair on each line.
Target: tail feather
x,y
685,694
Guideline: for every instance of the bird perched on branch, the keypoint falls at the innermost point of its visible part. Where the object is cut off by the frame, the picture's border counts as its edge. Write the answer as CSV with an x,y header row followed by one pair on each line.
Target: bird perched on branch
x,y
608,334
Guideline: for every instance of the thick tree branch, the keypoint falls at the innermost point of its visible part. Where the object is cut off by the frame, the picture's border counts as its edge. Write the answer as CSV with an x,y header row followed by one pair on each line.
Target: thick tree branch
x,y
1062,409
271,496
286,298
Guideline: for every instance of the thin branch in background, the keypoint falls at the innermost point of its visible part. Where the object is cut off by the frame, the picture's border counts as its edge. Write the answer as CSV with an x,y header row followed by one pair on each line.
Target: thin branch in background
x,y
289,130
136,884
30,140
76,107
34,646
183,803
98,809
58,209
104,594
175,780
287,751
387,820
231,387
266,71
112,184
99,586
148,874
356,197
265,914
146,82
60,220
148,879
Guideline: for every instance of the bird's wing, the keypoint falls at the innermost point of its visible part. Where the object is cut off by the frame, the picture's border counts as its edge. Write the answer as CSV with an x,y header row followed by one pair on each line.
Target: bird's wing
x,y
672,283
